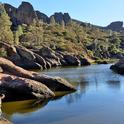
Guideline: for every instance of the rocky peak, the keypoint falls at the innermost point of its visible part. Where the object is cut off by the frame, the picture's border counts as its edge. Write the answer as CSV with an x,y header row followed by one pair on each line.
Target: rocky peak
x,y
116,26
25,13
26,6
59,17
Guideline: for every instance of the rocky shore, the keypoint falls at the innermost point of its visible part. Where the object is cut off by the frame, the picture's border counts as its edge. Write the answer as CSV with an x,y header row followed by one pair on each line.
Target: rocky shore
x,y
42,58
18,83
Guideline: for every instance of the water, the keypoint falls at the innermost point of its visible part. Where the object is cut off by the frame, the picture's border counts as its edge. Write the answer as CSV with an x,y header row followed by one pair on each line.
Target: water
x,y
98,100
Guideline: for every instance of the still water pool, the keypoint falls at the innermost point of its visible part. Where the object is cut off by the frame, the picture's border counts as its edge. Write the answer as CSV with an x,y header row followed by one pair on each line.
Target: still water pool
x,y
98,100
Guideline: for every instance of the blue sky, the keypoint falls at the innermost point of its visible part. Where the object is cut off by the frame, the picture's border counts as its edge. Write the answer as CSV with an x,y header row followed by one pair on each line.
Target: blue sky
x,y
99,12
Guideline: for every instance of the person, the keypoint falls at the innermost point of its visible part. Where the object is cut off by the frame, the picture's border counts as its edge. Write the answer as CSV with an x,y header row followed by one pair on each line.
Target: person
x,y
2,96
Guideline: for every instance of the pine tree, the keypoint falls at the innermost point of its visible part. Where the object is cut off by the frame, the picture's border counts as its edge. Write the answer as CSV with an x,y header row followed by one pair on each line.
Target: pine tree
x,y
63,24
52,20
6,34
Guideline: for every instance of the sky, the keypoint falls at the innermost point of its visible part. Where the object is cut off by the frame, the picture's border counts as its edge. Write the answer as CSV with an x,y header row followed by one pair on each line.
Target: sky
x,y
98,12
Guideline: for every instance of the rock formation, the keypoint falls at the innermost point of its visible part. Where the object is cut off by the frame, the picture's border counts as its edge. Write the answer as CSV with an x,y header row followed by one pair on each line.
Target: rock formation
x,y
31,84
116,26
118,67
25,13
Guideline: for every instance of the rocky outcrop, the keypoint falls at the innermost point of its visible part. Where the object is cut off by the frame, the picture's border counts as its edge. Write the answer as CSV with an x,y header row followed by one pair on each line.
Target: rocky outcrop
x,y
49,56
42,58
59,17
22,88
118,67
83,61
116,26
25,13
55,84
71,60
23,57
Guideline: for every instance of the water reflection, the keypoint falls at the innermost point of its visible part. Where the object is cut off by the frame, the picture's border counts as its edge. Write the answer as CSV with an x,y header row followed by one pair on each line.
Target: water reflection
x,y
94,101
10,108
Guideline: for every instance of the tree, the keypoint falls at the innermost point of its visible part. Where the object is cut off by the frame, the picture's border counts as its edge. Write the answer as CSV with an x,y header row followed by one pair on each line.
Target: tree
x,y
6,34
52,20
17,34
63,24
34,34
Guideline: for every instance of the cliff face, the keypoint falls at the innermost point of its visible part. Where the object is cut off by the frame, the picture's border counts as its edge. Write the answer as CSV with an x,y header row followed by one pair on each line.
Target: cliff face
x,y
25,13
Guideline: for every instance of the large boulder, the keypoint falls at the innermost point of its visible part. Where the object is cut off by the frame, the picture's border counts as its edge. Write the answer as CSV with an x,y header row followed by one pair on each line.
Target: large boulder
x,y
71,60
54,83
25,53
49,55
22,88
118,67
21,56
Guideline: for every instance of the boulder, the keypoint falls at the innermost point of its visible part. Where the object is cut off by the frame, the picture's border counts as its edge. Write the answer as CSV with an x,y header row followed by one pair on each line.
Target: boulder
x,y
54,83
71,60
84,61
10,50
47,53
26,64
40,60
25,53
118,67
21,56
22,88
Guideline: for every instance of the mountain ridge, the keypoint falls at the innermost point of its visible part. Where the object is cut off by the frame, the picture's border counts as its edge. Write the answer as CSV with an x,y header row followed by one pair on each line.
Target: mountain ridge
x,y
25,13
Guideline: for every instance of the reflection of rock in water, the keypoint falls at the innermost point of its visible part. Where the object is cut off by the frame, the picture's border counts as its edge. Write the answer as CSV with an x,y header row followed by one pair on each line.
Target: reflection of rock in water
x,y
114,84
82,87
28,106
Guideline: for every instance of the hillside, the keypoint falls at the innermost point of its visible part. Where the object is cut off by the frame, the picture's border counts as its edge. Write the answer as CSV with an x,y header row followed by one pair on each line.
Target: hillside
x,y
59,32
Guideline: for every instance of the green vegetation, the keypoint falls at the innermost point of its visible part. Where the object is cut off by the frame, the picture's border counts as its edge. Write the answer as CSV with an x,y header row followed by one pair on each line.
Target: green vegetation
x,y
5,24
79,39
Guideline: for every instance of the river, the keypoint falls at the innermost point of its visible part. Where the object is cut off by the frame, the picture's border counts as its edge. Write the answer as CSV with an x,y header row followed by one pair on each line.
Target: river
x,y
99,99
